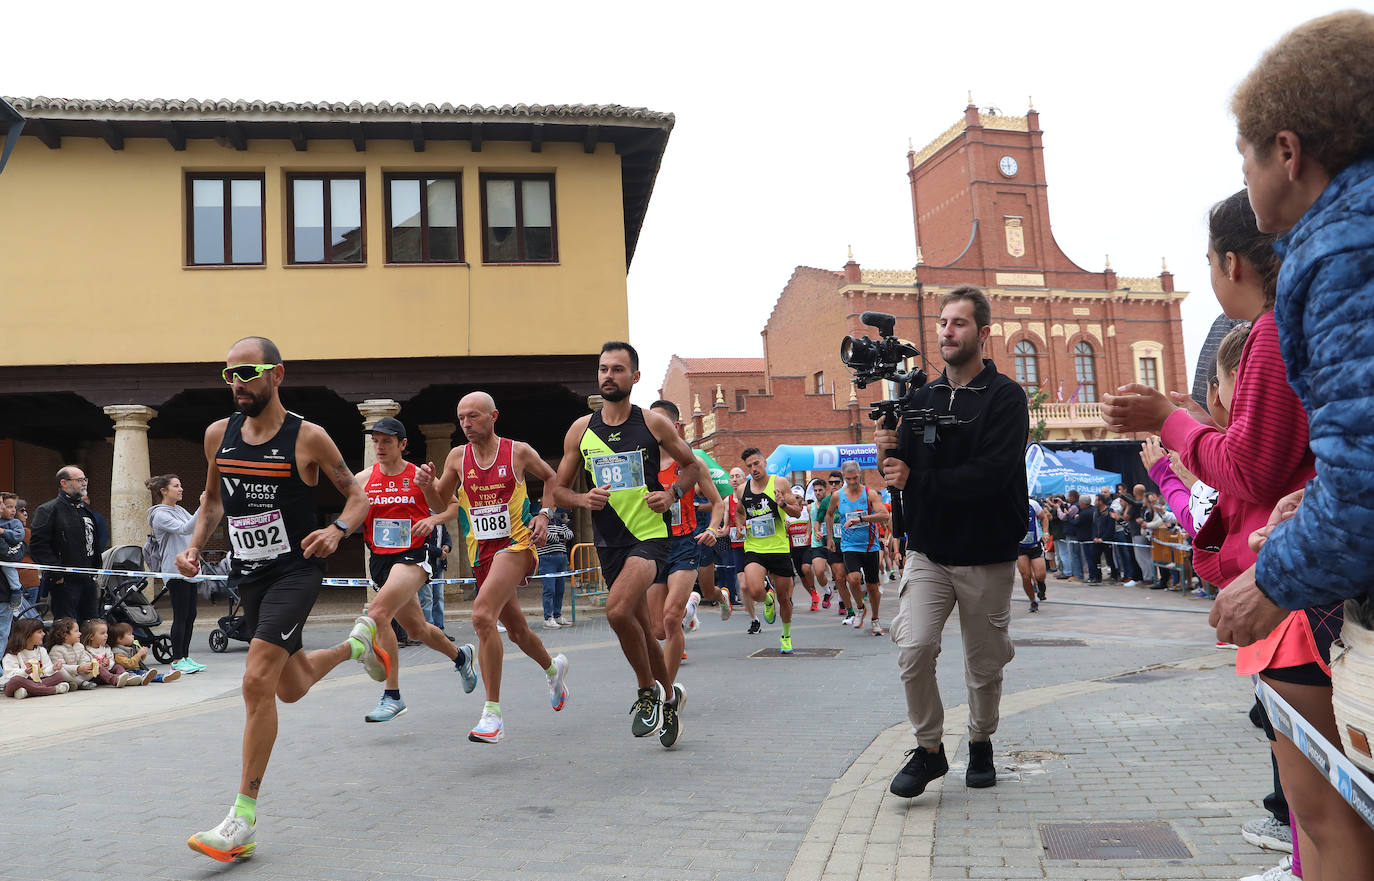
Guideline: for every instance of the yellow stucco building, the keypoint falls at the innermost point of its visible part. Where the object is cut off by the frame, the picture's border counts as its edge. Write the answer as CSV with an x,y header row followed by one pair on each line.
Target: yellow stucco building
x,y
400,256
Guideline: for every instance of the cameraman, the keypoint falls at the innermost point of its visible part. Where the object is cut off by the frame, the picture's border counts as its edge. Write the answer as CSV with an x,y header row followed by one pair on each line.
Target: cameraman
x,y
964,503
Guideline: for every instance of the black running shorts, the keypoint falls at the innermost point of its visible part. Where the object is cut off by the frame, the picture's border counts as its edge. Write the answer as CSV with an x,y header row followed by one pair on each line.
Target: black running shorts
x,y
862,561
777,565
801,559
275,608
379,567
834,558
1034,552
612,558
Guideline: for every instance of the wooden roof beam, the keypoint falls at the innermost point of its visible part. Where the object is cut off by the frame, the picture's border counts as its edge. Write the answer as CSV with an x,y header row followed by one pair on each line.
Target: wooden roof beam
x,y
359,139
537,137
44,132
298,139
175,136
475,136
417,137
238,138
589,140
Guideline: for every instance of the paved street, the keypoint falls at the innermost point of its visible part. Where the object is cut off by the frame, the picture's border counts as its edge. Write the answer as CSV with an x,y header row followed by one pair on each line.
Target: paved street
x,y
1117,709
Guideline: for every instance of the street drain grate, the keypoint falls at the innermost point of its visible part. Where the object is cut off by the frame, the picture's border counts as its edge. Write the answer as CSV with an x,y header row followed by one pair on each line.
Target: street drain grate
x,y
797,653
1112,841
1045,641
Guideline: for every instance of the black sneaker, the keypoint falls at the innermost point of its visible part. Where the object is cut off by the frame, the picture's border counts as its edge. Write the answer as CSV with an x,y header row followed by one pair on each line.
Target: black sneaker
x,y
1035,607
647,711
754,627
981,772
1040,589
922,767
672,717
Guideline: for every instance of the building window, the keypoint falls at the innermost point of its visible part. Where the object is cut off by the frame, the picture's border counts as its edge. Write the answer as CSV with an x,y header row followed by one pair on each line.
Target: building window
x,y
224,219
518,219
1085,373
325,216
739,398
423,222
1149,372
819,377
1026,372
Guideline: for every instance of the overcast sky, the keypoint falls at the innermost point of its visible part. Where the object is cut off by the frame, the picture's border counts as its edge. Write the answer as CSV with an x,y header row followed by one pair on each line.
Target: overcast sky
x,y
792,119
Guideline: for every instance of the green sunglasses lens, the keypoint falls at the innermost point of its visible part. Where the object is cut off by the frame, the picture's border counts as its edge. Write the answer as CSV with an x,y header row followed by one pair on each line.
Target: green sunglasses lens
x,y
245,372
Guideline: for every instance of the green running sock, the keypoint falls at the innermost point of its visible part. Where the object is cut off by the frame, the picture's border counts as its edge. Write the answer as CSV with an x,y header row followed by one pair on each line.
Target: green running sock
x,y
355,648
247,808
787,628
492,707
551,670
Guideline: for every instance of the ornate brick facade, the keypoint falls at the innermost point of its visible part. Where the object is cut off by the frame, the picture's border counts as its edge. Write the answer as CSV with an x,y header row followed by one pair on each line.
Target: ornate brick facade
x,y
981,212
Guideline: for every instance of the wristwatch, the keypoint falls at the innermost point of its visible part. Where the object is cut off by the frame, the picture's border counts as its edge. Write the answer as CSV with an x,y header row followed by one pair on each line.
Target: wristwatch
x,y
341,525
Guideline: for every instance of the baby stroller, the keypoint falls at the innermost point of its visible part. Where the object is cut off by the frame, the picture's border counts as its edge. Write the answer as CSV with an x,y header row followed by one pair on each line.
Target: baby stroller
x,y
232,625
122,599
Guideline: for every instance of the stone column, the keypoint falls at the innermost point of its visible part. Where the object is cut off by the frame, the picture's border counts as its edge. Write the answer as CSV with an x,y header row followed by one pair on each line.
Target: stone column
x,y
129,499
373,411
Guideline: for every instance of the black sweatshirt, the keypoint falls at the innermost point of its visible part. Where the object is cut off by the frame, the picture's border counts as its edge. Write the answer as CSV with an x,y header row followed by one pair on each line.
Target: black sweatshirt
x,y
965,501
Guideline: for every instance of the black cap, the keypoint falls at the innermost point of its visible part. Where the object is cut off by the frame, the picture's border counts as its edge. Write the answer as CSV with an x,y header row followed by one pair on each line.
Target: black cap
x,y
390,425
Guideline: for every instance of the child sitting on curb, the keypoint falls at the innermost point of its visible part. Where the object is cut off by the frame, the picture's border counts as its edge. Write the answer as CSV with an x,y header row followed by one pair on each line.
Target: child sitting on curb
x,y
132,656
27,667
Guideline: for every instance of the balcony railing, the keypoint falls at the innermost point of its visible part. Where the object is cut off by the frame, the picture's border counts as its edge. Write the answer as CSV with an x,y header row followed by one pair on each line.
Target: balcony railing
x,y
1059,413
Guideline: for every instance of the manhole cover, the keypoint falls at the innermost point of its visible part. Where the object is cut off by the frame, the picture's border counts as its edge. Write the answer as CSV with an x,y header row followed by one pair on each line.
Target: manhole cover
x,y
797,653
1046,641
1032,755
1112,841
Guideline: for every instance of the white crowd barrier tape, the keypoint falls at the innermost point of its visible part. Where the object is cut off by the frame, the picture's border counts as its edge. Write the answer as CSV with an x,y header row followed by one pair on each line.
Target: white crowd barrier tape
x,y
1356,788
330,582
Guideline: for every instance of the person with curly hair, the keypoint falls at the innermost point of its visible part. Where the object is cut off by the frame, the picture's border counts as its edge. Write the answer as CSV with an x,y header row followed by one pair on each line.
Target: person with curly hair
x,y
1305,123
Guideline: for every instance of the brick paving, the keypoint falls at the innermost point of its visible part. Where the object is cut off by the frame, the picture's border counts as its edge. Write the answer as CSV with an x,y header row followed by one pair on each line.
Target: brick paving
x,y
781,773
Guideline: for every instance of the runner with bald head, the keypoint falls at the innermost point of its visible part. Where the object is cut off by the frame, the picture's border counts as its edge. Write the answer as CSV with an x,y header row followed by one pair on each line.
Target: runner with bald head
x,y
488,475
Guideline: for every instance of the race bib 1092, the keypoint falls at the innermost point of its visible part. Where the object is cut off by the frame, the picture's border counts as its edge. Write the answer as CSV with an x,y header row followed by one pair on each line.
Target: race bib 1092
x,y
257,537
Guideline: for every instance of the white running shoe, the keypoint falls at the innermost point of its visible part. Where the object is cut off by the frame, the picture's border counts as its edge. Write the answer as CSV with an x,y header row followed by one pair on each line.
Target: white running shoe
x,y
691,611
500,628
1131,583
550,624
374,658
231,840
558,686
490,728
693,624
1282,872
848,622
725,604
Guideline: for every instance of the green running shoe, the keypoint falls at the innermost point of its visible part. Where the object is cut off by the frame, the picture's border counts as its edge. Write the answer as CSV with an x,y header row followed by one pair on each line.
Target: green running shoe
x,y
786,648
647,711
374,658
770,606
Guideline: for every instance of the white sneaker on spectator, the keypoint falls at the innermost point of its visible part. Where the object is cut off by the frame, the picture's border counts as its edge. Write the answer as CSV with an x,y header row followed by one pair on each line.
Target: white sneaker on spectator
x,y
61,687
125,678
550,624
1282,872
1132,583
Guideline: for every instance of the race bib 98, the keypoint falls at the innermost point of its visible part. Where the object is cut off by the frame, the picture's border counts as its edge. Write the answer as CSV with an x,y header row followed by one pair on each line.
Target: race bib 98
x,y
619,470
258,536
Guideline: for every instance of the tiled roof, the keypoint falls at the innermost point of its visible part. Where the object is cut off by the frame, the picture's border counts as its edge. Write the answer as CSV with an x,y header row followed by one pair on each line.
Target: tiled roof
x,y
254,109
724,365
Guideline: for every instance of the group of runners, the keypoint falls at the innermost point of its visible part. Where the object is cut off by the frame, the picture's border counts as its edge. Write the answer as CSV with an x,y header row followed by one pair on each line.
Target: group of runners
x,y
645,488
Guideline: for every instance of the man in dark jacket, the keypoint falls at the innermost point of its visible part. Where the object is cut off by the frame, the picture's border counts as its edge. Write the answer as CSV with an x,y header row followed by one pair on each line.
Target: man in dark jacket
x,y
964,504
64,534
1104,532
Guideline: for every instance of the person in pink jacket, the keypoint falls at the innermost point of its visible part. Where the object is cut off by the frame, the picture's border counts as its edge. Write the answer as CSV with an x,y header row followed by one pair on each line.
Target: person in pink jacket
x,y
1260,457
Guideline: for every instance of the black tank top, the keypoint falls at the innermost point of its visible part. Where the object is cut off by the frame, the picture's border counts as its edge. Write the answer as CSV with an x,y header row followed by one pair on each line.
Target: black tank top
x,y
269,509
626,519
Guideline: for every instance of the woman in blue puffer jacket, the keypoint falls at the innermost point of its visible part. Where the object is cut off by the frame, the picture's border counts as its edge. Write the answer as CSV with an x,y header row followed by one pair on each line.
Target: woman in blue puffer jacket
x,y
1305,117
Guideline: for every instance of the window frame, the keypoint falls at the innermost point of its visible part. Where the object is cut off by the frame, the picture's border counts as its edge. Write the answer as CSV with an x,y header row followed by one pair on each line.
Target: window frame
x,y
422,177
225,177
519,178
1148,377
326,177
818,382
1091,355
1020,359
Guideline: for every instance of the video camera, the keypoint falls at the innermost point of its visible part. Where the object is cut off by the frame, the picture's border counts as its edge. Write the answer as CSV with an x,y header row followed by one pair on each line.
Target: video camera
x,y
885,358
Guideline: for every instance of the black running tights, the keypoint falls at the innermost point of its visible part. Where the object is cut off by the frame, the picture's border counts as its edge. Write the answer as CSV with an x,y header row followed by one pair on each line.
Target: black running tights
x,y
183,615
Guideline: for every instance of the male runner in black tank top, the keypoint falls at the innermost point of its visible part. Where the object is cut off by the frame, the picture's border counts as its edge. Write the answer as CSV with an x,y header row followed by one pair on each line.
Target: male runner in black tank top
x,y
264,465
629,506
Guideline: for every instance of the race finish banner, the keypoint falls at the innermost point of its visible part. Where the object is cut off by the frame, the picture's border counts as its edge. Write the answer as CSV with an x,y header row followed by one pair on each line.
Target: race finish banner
x,y
1356,788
